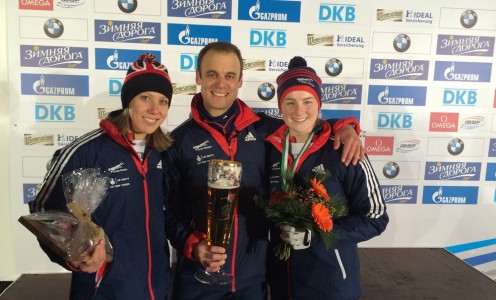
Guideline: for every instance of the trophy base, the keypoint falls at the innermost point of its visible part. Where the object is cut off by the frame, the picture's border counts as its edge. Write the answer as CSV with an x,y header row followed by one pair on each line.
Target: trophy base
x,y
214,278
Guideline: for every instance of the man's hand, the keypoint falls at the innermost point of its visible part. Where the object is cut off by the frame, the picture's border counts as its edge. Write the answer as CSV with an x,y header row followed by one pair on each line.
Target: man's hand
x,y
91,263
297,238
352,145
211,257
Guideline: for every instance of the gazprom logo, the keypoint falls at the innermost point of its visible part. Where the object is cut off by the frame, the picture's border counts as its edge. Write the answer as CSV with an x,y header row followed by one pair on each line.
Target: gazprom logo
x,y
450,195
269,10
336,13
397,95
462,71
196,35
188,62
269,38
118,59
54,85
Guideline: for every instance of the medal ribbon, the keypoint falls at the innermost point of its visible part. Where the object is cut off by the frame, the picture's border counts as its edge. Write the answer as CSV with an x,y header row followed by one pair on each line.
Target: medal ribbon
x,y
285,156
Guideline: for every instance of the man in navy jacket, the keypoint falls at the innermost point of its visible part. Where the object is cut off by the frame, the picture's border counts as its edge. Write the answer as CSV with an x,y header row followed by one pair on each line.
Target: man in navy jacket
x,y
223,127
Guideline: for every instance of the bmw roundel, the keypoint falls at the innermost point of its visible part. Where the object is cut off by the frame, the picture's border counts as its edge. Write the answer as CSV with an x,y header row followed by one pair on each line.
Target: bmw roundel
x,y
401,42
128,6
455,146
266,91
333,67
391,170
468,19
53,28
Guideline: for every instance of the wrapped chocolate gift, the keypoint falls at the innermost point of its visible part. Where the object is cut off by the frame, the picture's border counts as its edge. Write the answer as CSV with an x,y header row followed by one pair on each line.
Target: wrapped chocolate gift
x,y
73,234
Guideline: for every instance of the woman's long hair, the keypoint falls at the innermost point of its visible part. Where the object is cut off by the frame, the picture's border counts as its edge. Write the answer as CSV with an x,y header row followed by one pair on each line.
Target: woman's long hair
x,y
157,140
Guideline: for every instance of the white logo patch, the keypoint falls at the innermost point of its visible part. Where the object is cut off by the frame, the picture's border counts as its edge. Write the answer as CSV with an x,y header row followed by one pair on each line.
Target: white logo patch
x,y
202,146
249,137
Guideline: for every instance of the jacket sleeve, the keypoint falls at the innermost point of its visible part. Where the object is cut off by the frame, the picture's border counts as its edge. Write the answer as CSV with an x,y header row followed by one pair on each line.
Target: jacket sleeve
x,y
51,195
367,215
175,221
337,124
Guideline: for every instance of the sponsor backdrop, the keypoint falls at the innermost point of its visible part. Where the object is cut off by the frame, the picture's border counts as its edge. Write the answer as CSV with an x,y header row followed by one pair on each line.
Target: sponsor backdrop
x,y
419,76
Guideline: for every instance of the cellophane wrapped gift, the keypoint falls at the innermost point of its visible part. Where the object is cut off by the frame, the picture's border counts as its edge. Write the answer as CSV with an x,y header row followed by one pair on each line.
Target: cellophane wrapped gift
x,y
73,235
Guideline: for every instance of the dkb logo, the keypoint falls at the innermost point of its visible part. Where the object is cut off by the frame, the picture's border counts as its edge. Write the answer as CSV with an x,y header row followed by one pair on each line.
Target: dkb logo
x,y
460,97
337,13
268,38
115,86
189,62
395,121
51,112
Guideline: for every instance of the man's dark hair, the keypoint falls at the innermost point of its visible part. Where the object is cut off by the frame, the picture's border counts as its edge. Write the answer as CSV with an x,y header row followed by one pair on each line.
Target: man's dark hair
x,y
225,47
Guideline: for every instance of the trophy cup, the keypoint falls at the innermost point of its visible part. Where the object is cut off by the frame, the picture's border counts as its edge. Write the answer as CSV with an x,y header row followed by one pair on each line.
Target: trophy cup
x,y
224,178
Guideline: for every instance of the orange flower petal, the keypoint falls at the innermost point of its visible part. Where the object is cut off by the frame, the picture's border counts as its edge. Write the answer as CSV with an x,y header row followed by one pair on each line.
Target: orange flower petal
x,y
322,217
319,189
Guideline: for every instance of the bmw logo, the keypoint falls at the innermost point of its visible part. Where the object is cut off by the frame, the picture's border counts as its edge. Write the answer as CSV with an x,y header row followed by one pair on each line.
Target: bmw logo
x,y
266,91
391,170
128,6
455,146
53,28
401,42
333,67
468,18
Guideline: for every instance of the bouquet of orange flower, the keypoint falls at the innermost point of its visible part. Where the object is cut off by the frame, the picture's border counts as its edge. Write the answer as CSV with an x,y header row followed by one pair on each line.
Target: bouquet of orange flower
x,y
307,206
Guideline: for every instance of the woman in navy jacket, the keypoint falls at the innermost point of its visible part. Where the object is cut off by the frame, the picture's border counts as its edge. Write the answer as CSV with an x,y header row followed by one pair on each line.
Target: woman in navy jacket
x,y
313,271
127,146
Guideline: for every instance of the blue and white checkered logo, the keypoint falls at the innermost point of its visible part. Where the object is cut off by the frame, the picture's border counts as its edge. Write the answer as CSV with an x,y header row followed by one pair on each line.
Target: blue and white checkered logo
x,y
53,28
455,146
333,67
391,170
468,19
128,6
401,42
266,91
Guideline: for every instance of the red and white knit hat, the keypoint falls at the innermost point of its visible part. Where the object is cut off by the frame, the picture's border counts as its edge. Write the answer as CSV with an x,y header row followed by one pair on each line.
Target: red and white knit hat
x,y
146,74
299,77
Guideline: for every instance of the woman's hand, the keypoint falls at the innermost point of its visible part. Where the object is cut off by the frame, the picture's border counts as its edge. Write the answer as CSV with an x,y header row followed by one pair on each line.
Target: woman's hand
x,y
91,263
